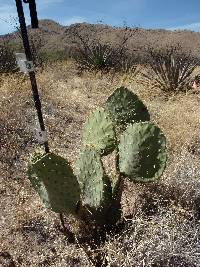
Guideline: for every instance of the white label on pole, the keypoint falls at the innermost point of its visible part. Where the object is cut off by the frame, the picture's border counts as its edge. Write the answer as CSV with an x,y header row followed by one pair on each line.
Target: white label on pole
x,y
29,66
24,65
41,136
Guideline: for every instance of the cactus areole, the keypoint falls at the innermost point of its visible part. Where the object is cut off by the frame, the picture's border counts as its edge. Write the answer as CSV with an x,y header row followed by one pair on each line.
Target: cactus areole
x,y
141,157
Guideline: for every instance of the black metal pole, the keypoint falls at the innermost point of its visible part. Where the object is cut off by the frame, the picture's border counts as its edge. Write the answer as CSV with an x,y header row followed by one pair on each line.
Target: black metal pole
x,y
33,14
31,73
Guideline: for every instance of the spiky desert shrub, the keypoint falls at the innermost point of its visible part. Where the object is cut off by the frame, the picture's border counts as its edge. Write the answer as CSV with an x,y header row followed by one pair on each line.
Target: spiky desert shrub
x,y
171,68
94,57
7,58
104,57
91,53
88,193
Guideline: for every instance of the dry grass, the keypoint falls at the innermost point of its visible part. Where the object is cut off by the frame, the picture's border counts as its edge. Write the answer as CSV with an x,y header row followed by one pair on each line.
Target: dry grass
x,y
163,224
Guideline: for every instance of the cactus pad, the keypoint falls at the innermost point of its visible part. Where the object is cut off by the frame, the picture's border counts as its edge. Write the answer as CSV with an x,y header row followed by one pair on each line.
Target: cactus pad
x,y
125,107
142,155
95,185
99,132
53,179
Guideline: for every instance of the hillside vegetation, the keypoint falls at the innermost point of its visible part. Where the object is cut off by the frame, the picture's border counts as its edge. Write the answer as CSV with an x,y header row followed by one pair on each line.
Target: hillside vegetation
x,y
52,37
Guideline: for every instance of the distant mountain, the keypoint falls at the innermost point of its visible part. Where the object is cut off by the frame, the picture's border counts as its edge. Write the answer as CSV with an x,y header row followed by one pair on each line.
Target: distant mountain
x,y
55,37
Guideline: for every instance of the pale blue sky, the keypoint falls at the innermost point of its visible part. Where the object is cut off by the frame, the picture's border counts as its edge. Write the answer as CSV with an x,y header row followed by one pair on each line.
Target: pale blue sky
x,y
165,14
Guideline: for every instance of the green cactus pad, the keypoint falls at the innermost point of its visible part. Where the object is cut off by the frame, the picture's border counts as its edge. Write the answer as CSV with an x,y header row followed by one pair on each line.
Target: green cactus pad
x,y
142,155
53,179
125,107
95,186
99,132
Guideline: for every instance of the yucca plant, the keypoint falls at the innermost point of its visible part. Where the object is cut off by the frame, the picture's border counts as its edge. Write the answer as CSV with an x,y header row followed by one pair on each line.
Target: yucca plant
x,y
121,125
170,69
94,57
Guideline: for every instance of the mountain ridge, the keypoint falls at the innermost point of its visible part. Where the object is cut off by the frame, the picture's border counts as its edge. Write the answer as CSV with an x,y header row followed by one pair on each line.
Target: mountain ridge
x,y
56,37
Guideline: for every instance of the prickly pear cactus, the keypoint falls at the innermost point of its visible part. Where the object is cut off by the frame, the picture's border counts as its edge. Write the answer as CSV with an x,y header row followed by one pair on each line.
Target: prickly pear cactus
x,y
125,107
53,179
142,154
99,132
95,186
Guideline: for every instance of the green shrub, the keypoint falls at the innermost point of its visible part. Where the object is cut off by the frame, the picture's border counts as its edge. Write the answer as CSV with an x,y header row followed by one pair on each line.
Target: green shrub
x,y
122,125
